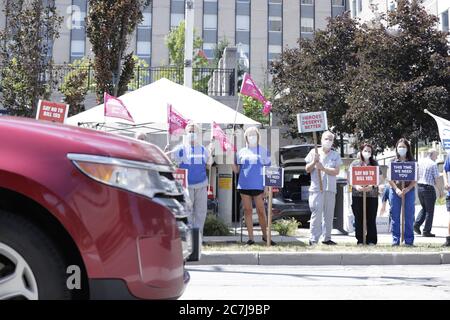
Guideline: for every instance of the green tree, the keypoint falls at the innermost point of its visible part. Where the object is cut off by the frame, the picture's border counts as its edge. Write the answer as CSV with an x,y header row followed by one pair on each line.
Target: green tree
x,y
75,86
25,54
109,25
218,51
404,69
253,108
175,44
317,75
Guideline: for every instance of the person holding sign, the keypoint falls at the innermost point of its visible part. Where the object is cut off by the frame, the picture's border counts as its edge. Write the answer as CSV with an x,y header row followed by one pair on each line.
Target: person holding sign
x,y
365,159
322,202
447,187
249,164
195,157
400,189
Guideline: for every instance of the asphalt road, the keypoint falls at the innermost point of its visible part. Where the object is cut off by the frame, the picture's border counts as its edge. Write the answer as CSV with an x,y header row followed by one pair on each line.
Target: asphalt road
x,y
219,282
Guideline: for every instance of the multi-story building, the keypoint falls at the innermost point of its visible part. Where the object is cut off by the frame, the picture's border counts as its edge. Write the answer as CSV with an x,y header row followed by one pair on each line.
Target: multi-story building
x,y
261,28
367,10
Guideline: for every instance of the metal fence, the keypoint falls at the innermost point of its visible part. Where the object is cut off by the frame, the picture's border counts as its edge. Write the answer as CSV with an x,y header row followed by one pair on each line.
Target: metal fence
x,y
211,81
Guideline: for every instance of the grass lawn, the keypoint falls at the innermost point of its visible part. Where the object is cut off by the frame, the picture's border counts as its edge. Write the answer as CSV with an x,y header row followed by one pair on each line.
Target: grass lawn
x,y
302,247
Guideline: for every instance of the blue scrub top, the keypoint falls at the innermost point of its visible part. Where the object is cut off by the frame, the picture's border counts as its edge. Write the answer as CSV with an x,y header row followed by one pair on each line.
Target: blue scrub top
x,y
251,161
194,159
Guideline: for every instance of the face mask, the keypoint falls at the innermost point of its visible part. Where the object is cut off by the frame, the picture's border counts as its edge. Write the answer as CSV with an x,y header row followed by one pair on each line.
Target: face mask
x,y
252,140
327,144
366,155
402,151
192,136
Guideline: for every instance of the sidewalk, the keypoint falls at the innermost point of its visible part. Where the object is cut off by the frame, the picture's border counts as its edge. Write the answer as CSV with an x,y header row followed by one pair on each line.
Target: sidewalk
x,y
345,253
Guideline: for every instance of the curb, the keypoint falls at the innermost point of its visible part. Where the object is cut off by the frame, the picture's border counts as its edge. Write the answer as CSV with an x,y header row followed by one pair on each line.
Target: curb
x,y
322,258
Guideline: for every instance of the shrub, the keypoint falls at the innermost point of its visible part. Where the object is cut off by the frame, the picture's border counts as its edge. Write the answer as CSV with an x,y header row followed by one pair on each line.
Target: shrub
x,y
286,227
214,226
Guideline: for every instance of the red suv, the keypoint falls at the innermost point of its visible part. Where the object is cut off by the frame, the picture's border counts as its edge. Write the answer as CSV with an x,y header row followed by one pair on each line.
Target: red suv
x,y
85,214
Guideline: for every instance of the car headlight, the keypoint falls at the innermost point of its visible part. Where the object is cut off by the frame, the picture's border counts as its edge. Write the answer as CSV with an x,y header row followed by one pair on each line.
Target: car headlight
x,y
140,177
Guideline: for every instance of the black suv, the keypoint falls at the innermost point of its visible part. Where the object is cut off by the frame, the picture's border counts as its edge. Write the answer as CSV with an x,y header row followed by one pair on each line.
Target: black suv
x,y
292,199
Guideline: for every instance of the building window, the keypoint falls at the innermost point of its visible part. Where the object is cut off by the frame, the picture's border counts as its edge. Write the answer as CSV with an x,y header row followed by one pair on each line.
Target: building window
x,y
243,23
210,21
307,25
275,30
359,5
338,3
444,21
307,2
337,7
177,8
210,11
144,36
243,29
354,13
78,30
77,48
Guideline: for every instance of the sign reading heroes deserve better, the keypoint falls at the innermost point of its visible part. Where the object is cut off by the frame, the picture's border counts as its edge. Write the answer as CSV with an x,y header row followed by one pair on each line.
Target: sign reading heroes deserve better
x,y
312,121
365,176
52,111
273,177
403,171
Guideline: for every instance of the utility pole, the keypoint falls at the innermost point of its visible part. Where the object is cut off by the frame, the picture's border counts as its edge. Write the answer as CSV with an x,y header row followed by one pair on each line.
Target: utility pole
x,y
188,42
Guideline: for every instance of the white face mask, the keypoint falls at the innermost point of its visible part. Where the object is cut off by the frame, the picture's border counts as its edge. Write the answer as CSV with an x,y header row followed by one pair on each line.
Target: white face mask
x,y
327,144
252,140
402,151
366,155
192,136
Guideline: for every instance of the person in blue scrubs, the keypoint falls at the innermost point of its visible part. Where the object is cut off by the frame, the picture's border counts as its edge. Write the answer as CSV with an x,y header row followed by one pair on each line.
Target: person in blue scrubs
x,y
403,149
249,165
194,157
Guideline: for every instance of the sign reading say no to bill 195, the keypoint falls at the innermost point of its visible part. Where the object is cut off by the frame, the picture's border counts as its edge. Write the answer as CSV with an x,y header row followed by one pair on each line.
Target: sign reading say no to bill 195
x,y
312,121
52,111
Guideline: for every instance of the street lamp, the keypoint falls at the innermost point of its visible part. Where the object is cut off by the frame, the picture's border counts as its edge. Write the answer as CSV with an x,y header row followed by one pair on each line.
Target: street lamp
x,y
188,43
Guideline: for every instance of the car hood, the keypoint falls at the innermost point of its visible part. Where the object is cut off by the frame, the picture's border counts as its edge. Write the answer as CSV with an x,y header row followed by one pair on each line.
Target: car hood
x,y
60,138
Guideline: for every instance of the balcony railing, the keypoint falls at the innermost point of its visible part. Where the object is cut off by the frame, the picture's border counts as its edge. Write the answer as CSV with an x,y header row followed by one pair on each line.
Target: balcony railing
x,y
211,81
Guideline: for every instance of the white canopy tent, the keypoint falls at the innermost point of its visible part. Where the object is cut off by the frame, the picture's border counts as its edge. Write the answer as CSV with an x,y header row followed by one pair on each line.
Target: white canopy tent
x,y
148,107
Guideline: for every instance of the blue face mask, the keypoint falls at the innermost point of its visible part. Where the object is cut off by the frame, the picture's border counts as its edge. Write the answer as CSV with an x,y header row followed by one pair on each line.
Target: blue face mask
x,y
402,151
192,136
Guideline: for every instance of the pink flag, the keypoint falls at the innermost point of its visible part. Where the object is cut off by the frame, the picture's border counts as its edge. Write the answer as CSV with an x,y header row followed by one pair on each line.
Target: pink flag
x,y
176,122
222,138
249,88
115,108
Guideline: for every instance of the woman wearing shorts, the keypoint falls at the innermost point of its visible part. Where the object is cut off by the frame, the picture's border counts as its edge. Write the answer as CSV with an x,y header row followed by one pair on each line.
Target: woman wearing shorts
x,y
249,164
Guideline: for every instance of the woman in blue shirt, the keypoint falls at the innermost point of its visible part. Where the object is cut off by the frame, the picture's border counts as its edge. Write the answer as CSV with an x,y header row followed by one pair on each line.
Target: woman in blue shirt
x,y
195,157
249,165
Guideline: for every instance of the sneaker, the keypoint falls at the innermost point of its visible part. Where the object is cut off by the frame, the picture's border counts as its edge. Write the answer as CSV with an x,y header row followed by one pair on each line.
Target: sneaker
x,y
428,235
417,229
329,243
372,244
272,243
250,242
312,243
409,245
447,242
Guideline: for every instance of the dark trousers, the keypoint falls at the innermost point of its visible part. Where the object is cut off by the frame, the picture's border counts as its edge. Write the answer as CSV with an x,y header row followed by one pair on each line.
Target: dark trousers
x,y
427,198
371,214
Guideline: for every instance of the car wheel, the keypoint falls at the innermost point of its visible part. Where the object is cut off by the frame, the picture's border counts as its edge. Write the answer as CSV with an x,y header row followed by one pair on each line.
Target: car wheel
x,y
31,266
